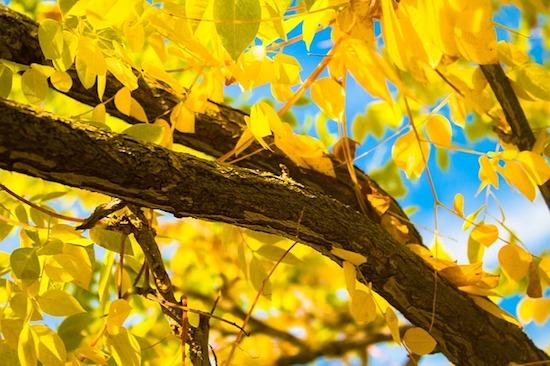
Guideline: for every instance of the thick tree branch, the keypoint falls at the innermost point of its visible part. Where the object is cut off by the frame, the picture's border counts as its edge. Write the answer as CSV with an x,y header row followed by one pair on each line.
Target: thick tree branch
x,y
41,145
522,136
216,131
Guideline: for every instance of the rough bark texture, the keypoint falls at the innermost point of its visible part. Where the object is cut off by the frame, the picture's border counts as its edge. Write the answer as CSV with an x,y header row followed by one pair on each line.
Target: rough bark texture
x,y
522,136
216,131
77,155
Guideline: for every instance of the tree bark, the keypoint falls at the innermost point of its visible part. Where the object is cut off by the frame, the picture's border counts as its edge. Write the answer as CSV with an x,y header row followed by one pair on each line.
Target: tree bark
x,y
74,154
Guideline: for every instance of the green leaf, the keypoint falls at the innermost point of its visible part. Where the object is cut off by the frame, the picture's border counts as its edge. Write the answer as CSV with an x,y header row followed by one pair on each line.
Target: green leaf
x,y
73,329
237,23
146,132
24,263
389,178
274,253
34,85
125,348
50,37
442,159
59,303
6,76
5,228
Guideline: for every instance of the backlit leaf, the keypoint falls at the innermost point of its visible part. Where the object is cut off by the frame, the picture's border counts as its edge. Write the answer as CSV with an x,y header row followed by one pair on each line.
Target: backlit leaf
x,y
485,234
61,81
418,341
258,277
59,303
516,176
183,118
514,261
111,240
118,312
123,101
439,130
50,37
393,324
350,274
407,155
352,257
24,263
363,307
51,350
458,204
534,309
34,85
146,132
329,96
125,348
274,253
237,22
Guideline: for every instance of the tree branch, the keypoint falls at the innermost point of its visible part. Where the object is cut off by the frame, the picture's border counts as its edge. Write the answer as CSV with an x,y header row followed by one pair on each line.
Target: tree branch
x,y
78,155
522,136
216,132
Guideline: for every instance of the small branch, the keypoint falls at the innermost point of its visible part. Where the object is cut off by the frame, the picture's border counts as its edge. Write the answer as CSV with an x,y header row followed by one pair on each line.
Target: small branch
x,y
100,212
36,207
522,134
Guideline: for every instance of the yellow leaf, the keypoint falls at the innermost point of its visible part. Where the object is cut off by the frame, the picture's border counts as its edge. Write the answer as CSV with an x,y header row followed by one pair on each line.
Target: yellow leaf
x,y
439,130
259,121
492,308
137,111
535,80
458,204
329,97
487,173
34,85
61,81
514,261
544,267
50,37
408,156
418,341
123,101
363,307
354,258
26,347
516,176
393,324
122,72
393,34
535,165
350,273
59,303
274,254
183,119
118,312
125,348
485,234
258,277
463,275
51,349
534,309
98,114
92,354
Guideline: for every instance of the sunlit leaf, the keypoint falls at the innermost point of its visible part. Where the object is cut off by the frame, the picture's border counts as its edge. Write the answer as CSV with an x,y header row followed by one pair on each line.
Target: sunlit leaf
x,y
419,341
125,348
514,261
34,85
439,130
237,22
24,263
50,37
363,307
329,96
59,303
485,234
407,155
352,257
118,312
6,76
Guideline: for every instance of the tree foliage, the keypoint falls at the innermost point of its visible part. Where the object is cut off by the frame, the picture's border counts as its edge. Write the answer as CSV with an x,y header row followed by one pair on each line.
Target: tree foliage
x,y
116,115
